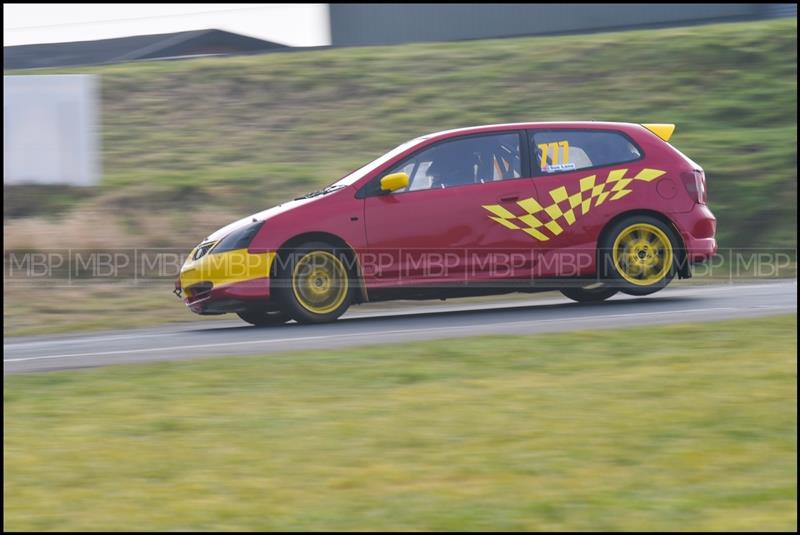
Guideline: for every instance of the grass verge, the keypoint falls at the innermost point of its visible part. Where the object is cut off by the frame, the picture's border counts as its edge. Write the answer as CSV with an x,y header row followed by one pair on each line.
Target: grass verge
x,y
61,308
682,427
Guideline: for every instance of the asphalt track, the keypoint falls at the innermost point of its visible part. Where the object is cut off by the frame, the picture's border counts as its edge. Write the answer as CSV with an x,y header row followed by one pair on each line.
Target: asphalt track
x,y
410,321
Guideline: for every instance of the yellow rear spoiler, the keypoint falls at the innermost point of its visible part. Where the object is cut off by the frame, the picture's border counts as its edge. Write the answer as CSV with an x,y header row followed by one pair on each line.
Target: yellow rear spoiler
x,y
664,131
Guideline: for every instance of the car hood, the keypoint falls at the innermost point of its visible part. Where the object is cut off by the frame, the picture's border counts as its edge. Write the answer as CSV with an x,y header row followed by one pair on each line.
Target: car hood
x,y
262,216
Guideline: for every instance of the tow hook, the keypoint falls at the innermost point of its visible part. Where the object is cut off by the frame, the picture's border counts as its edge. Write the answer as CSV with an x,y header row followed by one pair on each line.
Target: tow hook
x,y
177,291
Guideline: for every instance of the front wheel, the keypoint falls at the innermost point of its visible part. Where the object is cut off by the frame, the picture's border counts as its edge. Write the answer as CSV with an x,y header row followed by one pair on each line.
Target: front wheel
x,y
586,295
313,283
262,318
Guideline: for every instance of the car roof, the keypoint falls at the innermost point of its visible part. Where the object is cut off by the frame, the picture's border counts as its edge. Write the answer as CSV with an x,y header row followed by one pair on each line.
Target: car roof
x,y
596,125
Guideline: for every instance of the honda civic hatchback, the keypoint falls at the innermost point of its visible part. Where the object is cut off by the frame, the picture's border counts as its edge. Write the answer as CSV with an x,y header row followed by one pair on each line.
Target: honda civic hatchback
x,y
587,208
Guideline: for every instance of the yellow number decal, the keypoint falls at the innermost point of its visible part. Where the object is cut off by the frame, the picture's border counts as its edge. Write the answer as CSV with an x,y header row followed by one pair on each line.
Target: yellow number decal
x,y
543,150
565,145
554,147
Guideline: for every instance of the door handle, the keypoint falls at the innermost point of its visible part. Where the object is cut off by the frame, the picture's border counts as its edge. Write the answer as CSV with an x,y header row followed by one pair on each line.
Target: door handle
x,y
509,198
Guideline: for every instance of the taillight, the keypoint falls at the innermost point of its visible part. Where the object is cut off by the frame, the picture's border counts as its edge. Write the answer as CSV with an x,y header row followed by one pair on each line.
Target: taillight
x,y
695,184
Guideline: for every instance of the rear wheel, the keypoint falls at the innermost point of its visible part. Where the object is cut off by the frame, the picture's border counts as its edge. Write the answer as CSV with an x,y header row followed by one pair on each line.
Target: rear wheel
x,y
586,295
314,283
261,318
638,255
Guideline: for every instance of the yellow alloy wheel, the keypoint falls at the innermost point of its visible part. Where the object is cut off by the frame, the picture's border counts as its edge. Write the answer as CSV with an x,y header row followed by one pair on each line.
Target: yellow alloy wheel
x,y
642,254
320,282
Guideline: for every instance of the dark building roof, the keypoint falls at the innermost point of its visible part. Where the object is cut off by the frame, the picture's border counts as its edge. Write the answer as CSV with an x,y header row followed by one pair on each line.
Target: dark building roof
x,y
137,47
388,24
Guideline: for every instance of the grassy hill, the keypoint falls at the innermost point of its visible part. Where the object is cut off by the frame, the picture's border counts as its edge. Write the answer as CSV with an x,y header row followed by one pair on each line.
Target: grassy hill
x,y
239,134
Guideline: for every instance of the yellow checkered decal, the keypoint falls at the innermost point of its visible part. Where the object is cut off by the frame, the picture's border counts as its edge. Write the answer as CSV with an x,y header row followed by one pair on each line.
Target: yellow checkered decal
x,y
542,222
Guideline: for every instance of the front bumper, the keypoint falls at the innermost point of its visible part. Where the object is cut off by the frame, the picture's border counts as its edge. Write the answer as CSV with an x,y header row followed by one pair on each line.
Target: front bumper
x,y
232,281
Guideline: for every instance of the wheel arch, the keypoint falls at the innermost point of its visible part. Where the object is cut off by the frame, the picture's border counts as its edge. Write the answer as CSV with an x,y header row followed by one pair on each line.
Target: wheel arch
x,y
334,241
683,265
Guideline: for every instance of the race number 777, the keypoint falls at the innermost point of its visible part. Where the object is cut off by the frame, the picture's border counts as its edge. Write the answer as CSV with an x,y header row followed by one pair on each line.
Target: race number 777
x,y
554,146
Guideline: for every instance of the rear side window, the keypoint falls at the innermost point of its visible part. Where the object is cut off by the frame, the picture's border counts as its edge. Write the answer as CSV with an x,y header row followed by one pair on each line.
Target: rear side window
x,y
559,151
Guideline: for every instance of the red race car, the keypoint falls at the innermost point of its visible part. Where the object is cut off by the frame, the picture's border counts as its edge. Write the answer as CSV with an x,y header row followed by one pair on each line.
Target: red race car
x,y
588,208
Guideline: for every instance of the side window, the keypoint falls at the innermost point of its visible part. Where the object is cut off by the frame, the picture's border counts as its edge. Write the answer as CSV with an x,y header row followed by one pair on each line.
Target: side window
x,y
470,160
557,151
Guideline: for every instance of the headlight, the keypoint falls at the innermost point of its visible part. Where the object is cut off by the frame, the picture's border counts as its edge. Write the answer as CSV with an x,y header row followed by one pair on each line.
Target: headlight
x,y
238,239
202,249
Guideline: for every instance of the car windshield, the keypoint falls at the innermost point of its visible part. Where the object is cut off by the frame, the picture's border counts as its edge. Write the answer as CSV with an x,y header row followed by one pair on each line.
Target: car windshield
x,y
359,173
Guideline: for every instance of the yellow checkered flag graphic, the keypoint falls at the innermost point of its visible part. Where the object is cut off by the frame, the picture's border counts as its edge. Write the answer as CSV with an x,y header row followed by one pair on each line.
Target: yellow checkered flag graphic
x,y
561,213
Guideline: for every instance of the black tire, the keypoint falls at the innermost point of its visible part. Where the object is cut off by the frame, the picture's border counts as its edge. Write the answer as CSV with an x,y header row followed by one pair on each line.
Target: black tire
x,y
293,284
664,259
584,295
263,318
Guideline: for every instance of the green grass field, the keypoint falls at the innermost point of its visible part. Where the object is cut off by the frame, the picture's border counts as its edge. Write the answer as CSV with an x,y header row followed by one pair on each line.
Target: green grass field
x,y
223,137
683,427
